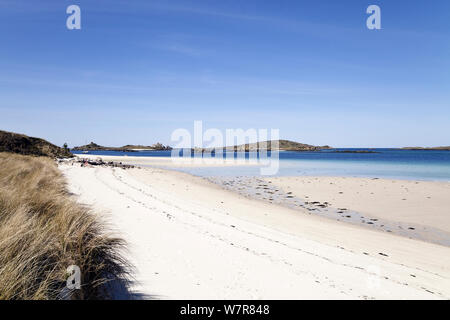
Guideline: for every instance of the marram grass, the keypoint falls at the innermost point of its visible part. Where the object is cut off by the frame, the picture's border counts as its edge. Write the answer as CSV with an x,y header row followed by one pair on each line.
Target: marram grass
x,y
43,231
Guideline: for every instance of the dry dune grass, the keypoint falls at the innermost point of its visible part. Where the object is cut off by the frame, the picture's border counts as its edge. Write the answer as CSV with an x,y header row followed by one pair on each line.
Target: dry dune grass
x,y
43,231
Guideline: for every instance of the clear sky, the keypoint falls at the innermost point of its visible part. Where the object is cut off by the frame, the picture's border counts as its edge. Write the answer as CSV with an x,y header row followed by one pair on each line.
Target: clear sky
x,y
137,70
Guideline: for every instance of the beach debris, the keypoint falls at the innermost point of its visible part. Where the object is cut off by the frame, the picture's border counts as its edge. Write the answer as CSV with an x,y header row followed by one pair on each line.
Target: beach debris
x,y
427,290
99,162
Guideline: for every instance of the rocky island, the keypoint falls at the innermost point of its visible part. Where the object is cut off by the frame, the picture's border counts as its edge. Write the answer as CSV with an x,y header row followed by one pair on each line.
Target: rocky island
x,y
127,148
282,145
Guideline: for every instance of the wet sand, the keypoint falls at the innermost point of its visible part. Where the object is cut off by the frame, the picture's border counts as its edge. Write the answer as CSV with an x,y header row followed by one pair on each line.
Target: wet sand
x,y
413,209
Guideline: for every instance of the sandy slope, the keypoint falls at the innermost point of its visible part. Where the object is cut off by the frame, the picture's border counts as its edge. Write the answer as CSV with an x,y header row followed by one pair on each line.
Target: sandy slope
x,y
419,202
189,239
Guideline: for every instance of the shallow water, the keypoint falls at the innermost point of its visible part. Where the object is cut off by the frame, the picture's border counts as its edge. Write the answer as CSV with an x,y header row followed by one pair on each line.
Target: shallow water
x,y
383,163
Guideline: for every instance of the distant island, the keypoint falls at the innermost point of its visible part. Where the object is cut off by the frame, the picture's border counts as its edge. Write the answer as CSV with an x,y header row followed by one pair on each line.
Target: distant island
x,y
127,148
283,145
422,148
25,145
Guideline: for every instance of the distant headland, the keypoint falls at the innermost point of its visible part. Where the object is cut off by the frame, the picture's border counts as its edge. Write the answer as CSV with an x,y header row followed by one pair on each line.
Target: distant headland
x,y
23,144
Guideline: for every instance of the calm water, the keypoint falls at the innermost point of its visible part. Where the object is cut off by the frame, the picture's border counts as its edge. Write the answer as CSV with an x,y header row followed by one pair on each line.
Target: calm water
x,y
385,163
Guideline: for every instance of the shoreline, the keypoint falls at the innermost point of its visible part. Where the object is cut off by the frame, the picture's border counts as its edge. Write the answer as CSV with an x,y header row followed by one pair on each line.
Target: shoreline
x,y
192,239
169,162
344,205
351,208
289,167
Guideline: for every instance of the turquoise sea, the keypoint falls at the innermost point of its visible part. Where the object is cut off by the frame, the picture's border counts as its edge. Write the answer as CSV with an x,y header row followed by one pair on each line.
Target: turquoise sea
x,y
382,163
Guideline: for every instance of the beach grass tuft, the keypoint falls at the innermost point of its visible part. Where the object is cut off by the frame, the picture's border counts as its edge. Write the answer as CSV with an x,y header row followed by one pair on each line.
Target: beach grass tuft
x,y
43,231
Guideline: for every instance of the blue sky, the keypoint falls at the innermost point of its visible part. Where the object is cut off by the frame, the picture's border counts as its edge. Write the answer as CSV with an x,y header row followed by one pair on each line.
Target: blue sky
x,y
137,70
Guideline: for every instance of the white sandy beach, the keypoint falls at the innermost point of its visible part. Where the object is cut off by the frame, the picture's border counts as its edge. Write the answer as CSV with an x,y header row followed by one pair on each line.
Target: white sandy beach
x,y
175,162
190,239
425,203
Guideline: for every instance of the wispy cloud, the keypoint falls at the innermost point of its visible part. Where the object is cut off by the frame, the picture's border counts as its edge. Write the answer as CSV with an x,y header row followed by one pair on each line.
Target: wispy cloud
x,y
205,83
178,48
